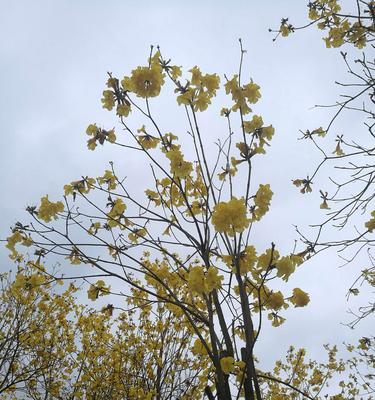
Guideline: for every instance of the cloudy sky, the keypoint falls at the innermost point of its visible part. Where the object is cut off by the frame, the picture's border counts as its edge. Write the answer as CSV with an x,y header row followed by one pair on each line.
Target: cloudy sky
x,y
54,59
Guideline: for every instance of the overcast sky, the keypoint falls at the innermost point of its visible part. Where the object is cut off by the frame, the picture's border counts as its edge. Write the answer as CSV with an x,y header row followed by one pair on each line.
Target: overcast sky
x,y
54,59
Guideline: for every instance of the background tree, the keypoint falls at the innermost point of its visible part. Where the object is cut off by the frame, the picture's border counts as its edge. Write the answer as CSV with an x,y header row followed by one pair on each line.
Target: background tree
x,y
53,348
348,198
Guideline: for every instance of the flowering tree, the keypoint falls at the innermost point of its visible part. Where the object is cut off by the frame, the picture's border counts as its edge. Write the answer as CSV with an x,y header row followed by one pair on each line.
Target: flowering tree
x,y
53,348
350,191
187,244
182,254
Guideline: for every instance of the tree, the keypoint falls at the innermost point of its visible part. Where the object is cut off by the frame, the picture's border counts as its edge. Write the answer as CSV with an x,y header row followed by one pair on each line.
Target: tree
x,y
348,198
186,247
187,244
53,348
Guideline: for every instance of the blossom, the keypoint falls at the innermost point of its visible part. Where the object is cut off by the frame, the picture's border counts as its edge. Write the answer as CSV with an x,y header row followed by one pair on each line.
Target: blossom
x,y
254,124
370,225
99,289
241,96
116,213
230,217
179,168
299,298
199,348
246,260
108,99
275,301
196,279
123,110
262,201
285,267
147,141
144,81
48,210
213,280
227,364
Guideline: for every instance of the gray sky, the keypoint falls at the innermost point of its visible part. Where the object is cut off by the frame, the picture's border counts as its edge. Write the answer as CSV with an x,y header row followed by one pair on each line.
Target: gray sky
x,y
54,58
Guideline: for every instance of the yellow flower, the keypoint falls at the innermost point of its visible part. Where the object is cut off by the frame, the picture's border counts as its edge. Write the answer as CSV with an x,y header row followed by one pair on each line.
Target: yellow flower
x,y
153,196
319,131
276,319
123,110
227,364
313,14
109,179
198,348
179,168
12,240
92,129
48,209
275,301
99,289
144,81
108,99
254,124
116,213
147,141
247,259
262,201
338,150
111,137
175,71
211,82
251,92
370,225
285,267
213,280
284,30
230,217
299,298
136,234
196,281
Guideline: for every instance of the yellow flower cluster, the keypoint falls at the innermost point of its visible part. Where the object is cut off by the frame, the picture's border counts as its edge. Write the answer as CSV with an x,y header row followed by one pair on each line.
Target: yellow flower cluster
x,y
227,364
200,282
340,30
246,260
137,234
12,240
262,201
83,186
179,168
370,225
48,210
299,298
146,140
116,215
286,266
230,217
98,289
145,81
108,179
99,135
200,90
242,95
262,134
275,301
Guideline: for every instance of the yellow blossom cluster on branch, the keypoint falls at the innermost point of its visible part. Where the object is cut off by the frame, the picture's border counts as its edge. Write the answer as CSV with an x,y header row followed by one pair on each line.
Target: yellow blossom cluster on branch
x,y
230,217
48,210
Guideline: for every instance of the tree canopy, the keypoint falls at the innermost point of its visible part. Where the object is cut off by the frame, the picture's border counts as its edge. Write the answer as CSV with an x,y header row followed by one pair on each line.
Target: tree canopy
x,y
190,293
